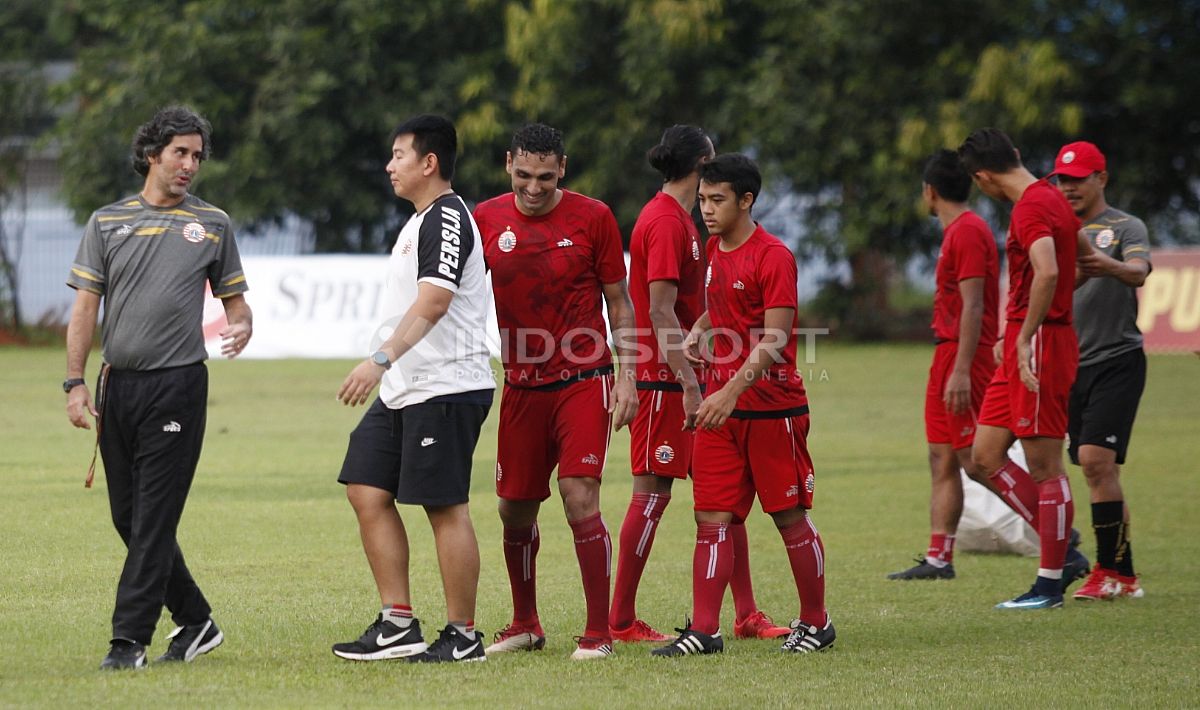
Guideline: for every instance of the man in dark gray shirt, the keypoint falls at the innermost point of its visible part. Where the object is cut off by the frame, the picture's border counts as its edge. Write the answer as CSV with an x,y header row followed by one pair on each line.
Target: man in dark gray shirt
x,y
1112,365
148,258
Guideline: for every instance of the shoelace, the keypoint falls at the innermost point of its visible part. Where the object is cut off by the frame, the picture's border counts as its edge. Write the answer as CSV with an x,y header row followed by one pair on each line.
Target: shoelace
x,y
506,632
798,635
444,639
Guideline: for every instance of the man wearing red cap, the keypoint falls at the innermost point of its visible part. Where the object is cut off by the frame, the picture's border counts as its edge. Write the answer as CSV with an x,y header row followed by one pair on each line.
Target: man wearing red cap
x,y
1112,365
1027,398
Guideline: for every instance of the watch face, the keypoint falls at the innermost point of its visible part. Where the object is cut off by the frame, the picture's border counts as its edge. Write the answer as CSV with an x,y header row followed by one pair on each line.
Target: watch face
x,y
380,358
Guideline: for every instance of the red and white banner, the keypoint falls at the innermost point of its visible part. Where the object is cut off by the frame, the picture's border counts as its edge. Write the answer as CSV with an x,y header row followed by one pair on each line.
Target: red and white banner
x,y
1169,302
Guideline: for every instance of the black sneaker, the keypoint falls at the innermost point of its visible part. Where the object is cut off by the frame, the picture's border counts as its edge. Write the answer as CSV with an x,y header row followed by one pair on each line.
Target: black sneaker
x,y
1075,567
924,570
806,639
124,654
452,646
192,640
691,642
383,640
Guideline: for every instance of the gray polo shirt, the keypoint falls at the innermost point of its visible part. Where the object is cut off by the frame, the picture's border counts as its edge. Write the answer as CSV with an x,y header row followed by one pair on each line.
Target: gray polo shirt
x,y
1105,308
150,265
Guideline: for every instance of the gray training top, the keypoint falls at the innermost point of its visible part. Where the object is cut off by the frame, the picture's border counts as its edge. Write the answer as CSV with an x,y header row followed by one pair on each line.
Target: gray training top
x,y
150,265
1105,308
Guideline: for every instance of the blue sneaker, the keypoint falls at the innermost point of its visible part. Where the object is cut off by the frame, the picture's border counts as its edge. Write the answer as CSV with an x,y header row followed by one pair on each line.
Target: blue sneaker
x,y
1075,567
1033,600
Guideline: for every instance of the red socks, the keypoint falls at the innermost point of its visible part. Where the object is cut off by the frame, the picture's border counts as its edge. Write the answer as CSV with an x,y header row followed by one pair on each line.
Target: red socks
x,y
941,548
594,550
520,556
1019,491
712,566
806,553
637,537
743,591
1056,513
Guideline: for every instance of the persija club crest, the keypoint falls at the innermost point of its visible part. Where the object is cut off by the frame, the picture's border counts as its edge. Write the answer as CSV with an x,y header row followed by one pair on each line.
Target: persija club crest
x,y
194,232
664,454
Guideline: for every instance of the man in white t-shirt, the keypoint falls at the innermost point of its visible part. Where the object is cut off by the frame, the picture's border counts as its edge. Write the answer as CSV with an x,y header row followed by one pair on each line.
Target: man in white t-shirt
x,y
415,443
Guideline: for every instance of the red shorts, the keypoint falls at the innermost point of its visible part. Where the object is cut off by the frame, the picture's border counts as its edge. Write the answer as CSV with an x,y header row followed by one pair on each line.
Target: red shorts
x,y
942,427
658,443
1009,404
540,429
748,456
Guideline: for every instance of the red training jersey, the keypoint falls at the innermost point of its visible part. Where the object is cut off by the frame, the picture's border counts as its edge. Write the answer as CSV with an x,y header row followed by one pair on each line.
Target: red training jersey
x,y
665,246
741,285
1041,212
968,252
547,277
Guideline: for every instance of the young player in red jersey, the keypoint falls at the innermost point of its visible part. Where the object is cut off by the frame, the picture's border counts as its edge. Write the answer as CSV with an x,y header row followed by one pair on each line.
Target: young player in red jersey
x,y
666,284
1027,398
553,253
965,323
753,423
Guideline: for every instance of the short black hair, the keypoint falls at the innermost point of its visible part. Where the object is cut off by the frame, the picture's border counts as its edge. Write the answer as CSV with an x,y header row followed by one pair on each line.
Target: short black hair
x,y
944,172
736,169
432,134
157,133
988,149
539,139
679,151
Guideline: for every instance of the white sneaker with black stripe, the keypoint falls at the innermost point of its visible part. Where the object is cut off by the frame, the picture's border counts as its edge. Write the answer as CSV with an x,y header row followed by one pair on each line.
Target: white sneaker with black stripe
x,y
691,642
192,640
806,638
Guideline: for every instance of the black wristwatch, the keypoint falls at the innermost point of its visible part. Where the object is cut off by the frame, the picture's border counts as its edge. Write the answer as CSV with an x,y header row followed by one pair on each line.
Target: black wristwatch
x,y
380,358
72,383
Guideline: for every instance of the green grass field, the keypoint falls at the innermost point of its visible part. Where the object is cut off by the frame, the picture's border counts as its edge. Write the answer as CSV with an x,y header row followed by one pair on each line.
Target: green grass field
x,y
273,542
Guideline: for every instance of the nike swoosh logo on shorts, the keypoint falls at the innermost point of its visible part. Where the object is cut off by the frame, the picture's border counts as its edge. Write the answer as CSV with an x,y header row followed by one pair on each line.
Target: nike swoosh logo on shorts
x,y
382,640
459,655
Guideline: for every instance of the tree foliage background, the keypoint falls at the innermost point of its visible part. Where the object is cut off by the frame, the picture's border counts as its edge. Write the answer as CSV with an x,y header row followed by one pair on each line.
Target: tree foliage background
x,y
840,102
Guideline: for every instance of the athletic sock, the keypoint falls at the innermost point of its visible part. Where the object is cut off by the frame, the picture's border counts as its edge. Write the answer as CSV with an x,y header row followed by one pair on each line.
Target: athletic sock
x,y
1056,512
806,553
466,628
1048,586
1125,556
593,548
1017,489
637,537
744,603
1108,524
712,565
520,556
941,550
398,614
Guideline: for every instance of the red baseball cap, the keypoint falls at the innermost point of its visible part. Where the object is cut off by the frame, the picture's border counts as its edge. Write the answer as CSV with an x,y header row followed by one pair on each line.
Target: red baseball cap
x,y
1078,160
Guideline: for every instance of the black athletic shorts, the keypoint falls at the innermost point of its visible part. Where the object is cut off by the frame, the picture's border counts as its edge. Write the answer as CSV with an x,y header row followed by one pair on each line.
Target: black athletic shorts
x,y
1104,402
420,453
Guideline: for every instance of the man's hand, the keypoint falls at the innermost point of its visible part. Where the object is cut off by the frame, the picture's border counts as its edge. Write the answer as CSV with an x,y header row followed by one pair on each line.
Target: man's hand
x,y
234,338
715,410
359,384
624,402
1025,364
957,395
692,349
79,405
998,352
691,405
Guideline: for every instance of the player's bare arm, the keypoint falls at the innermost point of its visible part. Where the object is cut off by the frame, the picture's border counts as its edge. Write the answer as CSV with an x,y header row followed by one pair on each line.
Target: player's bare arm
x,y
236,335
80,331
1041,291
957,394
620,318
431,305
692,343
777,324
670,336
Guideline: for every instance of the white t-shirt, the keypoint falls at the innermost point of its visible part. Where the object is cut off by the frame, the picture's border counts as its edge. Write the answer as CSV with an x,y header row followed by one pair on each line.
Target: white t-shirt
x,y
441,246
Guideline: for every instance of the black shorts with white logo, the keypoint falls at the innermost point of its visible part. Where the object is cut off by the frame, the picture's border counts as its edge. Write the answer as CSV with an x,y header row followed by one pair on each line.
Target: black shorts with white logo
x,y
420,453
1104,402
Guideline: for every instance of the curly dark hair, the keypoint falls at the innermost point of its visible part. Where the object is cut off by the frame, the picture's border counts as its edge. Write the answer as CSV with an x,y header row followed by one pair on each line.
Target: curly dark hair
x,y
537,138
157,133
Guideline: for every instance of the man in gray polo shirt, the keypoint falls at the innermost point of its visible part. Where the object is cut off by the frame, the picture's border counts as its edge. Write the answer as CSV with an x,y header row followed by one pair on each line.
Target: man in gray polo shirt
x,y
148,258
1112,365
